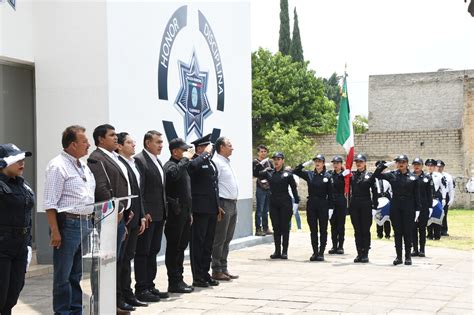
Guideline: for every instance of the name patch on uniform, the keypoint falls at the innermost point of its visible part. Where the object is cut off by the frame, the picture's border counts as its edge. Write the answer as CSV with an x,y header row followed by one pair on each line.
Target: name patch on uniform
x,y
325,180
285,175
205,166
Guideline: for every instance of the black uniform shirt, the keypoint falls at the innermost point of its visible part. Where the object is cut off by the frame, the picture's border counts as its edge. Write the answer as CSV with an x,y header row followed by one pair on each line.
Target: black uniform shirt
x,y
319,184
178,182
279,182
362,183
404,186
426,190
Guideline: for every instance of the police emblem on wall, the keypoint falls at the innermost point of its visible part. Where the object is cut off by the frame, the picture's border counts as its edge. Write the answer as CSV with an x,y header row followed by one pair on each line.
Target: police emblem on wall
x,y
191,101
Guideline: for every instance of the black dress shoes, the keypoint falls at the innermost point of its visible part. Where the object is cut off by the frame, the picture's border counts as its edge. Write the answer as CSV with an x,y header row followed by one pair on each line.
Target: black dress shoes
x,y
415,253
162,295
332,251
213,282
408,261
313,257
421,254
125,306
200,283
134,302
275,255
397,261
180,288
284,255
340,251
147,296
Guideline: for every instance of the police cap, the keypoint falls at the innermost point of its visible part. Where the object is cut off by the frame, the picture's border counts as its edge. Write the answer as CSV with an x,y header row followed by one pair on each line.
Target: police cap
x,y
430,162
319,157
440,163
179,143
278,155
10,154
401,157
360,157
417,161
202,141
337,158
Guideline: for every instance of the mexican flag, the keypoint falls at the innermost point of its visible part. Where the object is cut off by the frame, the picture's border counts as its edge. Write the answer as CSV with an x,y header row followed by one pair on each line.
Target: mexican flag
x,y
345,132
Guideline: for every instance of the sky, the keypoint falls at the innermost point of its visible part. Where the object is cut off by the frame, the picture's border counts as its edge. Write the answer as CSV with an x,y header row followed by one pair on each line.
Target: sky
x,y
372,37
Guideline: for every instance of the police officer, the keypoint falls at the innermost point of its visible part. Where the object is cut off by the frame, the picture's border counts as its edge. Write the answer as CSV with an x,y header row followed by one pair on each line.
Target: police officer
x,y
320,203
338,218
361,205
405,203
434,230
205,210
281,206
426,195
16,203
383,190
447,190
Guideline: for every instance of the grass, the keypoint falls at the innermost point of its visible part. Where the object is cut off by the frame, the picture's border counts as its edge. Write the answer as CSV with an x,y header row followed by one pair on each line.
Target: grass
x,y
460,223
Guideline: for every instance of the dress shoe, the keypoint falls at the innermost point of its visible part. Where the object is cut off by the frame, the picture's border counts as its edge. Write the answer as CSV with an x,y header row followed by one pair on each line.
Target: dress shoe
x,y
320,257
125,306
213,282
421,254
284,255
364,259
220,276
180,288
147,296
200,283
275,255
332,251
231,275
134,302
408,261
415,253
340,251
397,261
357,259
268,232
162,295
259,232
313,257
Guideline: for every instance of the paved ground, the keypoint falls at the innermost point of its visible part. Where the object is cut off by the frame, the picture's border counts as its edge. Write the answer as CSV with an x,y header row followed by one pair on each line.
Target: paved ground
x,y
440,283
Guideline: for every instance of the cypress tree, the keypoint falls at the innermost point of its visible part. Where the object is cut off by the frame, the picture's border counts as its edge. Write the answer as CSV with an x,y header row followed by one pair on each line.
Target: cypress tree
x,y
284,40
296,49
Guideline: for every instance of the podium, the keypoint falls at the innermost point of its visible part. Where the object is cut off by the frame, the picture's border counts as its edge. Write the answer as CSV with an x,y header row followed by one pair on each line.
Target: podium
x,y
99,256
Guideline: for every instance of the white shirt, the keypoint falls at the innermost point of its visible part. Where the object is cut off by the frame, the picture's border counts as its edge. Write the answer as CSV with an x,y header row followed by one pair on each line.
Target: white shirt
x,y
68,184
154,158
228,188
132,164
449,188
114,156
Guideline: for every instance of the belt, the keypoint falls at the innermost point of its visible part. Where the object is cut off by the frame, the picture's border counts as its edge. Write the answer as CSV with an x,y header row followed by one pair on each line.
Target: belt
x,y
228,199
68,215
15,230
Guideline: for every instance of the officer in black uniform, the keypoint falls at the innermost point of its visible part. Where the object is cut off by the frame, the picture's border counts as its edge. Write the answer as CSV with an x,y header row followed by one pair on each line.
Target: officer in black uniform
x,y
178,222
281,207
405,203
361,205
205,210
426,195
382,191
338,218
434,230
320,203
16,203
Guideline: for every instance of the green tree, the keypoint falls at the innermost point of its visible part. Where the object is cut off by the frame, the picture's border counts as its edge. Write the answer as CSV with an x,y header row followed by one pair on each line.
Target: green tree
x,y
284,40
296,48
296,147
332,89
289,93
360,124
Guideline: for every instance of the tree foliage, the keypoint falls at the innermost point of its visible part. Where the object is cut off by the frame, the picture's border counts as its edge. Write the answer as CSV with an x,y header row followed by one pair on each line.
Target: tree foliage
x,y
297,148
296,48
332,89
284,40
361,124
289,93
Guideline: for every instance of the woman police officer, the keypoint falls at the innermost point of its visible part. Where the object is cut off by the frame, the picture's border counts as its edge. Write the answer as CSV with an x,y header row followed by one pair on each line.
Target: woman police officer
x,y
338,219
16,204
281,207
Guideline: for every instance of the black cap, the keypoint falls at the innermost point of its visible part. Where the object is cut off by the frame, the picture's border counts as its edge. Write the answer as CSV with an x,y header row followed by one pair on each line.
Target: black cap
x,y
360,157
337,158
202,141
319,157
179,143
10,154
430,162
440,163
401,157
379,162
417,161
278,155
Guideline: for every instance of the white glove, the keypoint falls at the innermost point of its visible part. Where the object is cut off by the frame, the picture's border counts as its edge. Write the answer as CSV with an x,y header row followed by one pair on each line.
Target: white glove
x,y
374,212
264,161
388,164
443,203
417,214
308,163
450,202
330,212
28,257
431,211
346,172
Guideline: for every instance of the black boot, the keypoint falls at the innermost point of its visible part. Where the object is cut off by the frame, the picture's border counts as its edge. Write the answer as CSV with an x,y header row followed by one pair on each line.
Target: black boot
x,y
358,257
415,252
320,256
365,256
286,241
398,260
284,253
422,251
407,257
340,251
277,253
332,251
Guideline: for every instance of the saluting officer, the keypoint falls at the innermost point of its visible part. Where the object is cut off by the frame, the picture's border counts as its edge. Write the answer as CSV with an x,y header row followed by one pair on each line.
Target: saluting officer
x,y
434,230
320,203
405,203
447,190
361,205
383,190
338,218
16,203
281,206
426,195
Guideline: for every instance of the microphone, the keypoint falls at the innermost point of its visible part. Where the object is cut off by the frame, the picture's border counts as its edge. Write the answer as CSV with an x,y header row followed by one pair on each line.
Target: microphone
x,y
109,183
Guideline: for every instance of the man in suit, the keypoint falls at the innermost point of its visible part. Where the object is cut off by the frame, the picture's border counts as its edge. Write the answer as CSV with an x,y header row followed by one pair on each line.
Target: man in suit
x,y
111,178
134,217
205,209
154,201
178,222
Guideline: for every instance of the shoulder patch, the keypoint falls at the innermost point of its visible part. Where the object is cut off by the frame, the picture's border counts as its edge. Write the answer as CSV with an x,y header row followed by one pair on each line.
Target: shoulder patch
x,y
286,174
412,177
425,180
325,179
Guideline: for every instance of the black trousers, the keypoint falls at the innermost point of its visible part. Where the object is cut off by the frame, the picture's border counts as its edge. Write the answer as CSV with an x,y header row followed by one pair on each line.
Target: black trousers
x,y
361,217
384,228
402,216
444,228
13,255
338,223
125,276
281,210
317,216
178,233
148,246
434,231
419,229
202,239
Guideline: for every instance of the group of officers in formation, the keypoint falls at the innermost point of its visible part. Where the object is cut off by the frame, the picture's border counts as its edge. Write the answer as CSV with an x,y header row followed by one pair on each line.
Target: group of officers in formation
x,y
412,194
191,198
